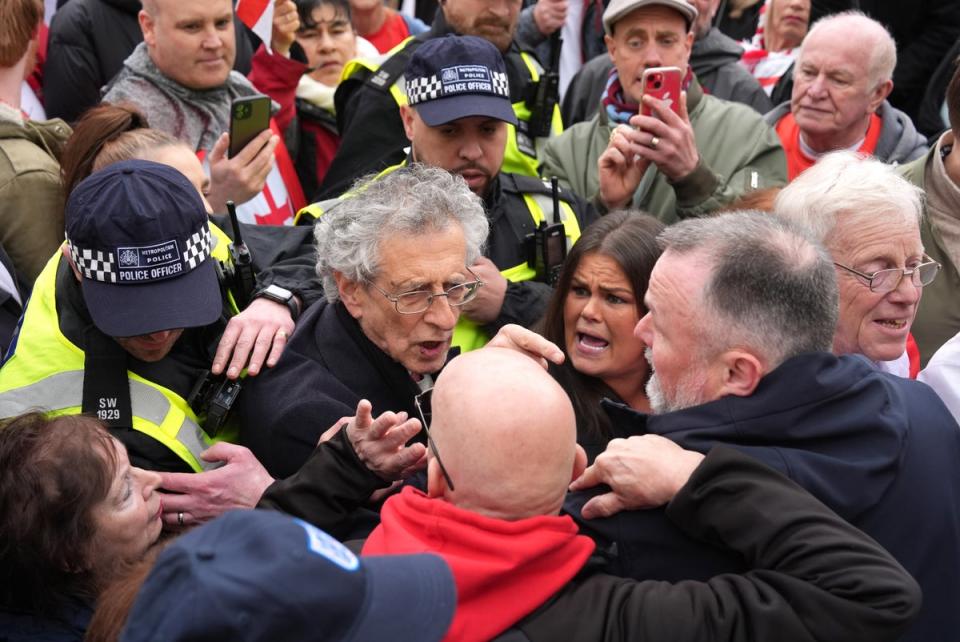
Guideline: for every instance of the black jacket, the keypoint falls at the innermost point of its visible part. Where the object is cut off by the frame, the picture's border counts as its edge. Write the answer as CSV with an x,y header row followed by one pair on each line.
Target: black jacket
x,y
812,576
10,309
88,42
68,625
930,118
371,132
808,574
879,450
328,366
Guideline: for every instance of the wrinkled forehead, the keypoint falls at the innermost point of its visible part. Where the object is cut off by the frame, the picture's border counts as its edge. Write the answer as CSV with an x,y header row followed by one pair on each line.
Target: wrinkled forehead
x,y
429,256
831,48
677,283
892,235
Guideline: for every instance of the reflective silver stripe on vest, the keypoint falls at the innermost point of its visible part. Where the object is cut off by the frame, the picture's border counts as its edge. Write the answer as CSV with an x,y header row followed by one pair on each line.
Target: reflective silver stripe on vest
x,y
56,392
65,390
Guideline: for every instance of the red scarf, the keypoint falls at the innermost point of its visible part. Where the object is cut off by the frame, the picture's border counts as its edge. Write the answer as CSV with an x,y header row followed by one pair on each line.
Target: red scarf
x,y
503,570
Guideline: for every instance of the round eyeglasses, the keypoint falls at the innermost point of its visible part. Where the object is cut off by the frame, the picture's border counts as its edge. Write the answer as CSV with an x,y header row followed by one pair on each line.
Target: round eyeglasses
x,y
889,280
417,301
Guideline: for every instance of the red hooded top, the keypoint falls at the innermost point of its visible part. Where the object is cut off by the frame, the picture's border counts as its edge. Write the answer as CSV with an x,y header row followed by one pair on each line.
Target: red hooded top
x,y
503,569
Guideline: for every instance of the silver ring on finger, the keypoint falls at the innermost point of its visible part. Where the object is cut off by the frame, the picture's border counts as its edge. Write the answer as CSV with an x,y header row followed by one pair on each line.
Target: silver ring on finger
x,y
654,142
180,518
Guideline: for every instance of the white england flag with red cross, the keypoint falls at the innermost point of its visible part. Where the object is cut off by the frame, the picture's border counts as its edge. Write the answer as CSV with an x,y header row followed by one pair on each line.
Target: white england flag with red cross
x,y
258,15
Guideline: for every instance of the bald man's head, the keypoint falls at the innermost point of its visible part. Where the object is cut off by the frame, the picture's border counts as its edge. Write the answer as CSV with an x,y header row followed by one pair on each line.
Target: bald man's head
x,y
506,433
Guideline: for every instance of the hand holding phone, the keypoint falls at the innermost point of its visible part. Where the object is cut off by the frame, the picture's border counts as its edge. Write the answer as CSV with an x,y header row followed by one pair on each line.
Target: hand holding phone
x,y
249,116
662,83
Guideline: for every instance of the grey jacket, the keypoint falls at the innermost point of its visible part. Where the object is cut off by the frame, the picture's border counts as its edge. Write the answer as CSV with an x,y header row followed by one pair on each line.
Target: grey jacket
x,y
714,60
900,142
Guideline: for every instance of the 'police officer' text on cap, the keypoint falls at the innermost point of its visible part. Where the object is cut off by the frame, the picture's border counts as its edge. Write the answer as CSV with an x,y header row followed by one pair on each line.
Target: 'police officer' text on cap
x,y
138,234
457,77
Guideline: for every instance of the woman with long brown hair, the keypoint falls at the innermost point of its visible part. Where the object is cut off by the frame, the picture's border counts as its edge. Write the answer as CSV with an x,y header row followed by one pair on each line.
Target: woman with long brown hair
x,y
592,314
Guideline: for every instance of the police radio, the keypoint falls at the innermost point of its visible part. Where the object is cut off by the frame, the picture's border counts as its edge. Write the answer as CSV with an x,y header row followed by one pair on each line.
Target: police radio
x,y
240,277
212,398
545,94
547,245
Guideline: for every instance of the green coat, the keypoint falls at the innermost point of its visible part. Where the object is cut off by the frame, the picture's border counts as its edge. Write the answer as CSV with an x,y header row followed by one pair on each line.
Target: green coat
x,y
938,318
738,152
31,198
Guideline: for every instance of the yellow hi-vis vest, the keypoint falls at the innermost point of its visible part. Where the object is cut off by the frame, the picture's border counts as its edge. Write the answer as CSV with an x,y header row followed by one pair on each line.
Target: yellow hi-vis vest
x,y
45,372
467,335
521,153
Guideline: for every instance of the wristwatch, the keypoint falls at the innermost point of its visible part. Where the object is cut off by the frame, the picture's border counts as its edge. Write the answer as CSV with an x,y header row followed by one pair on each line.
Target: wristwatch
x,y
280,295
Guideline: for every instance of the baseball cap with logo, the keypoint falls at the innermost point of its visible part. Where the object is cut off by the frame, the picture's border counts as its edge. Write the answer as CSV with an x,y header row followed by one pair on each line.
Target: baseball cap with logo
x,y
138,233
455,77
619,8
259,575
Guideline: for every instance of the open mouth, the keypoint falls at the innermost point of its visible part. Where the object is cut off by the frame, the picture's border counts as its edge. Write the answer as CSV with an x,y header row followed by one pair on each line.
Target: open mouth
x,y
591,344
892,324
433,349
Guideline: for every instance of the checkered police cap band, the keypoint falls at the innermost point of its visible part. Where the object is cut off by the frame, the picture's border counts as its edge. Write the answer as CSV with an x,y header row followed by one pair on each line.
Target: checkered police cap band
x,y
136,265
461,80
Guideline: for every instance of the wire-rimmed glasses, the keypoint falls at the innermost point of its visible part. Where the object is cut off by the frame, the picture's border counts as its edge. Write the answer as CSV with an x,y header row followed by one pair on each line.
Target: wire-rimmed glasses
x,y
430,442
417,301
889,280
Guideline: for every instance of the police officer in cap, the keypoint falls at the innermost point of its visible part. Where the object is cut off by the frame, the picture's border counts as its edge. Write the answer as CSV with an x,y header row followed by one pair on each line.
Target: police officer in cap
x,y
457,118
127,319
368,99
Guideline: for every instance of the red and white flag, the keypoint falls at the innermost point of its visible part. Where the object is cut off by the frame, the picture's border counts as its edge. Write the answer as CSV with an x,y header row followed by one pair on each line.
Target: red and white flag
x,y
258,15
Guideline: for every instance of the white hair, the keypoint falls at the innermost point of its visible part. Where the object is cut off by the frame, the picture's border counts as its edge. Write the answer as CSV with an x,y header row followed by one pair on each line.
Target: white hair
x,y
846,188
410,200
871,34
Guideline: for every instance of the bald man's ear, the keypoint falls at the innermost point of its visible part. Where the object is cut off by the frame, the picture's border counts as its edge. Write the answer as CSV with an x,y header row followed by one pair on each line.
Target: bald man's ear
x,y
741,373
579,462
350,292
436,484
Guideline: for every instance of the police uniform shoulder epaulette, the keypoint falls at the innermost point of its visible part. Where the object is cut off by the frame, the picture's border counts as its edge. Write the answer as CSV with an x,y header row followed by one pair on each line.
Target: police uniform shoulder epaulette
x,y
522,184
392,68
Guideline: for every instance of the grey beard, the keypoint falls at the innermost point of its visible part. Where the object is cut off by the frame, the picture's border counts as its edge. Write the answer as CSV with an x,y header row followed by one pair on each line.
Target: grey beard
x,y
688,391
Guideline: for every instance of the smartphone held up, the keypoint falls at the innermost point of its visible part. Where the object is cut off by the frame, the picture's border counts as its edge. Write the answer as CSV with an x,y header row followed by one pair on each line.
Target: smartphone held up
x,y
662,83
249,116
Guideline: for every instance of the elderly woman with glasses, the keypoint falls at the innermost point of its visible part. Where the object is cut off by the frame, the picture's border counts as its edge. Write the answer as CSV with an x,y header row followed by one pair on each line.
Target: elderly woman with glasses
x,y
393,259
868,217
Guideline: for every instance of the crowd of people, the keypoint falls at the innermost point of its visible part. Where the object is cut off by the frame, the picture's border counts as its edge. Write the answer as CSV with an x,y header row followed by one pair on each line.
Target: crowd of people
x,y
489,331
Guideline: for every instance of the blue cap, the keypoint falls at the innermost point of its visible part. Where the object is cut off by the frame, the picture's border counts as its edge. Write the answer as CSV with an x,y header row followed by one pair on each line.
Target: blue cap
x,y
138,233
458,76
259,575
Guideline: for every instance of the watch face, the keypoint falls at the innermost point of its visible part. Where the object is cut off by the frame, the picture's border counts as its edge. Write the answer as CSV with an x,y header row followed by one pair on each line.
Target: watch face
x,y
276,291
